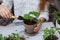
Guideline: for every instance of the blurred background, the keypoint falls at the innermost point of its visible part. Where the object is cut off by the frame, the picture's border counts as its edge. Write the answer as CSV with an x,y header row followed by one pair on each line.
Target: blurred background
x,y
53,6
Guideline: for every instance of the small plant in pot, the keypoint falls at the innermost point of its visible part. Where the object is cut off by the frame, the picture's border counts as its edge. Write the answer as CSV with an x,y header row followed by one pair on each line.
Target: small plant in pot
x,y
49,34
13,36
30,20
57,17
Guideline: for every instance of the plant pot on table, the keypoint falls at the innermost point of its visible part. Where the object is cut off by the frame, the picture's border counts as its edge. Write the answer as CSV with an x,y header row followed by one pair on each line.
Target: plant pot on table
x,y
29,26
30,20
57,18
58,23
49,33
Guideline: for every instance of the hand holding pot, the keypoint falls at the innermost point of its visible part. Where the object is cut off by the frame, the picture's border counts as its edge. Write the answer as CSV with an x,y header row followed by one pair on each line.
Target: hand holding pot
x,y
36,29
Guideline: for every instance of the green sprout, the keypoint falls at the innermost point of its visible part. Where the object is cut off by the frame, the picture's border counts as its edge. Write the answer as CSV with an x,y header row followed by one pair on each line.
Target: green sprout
x,y
29,17
50,32
1,37
57,16
34,13
13,36
18,37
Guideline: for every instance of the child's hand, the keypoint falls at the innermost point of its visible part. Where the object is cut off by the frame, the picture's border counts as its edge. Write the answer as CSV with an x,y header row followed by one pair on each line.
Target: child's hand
x,y
36,29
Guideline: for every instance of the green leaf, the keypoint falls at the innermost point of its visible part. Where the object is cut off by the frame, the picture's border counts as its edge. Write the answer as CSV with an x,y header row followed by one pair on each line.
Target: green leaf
x,y
27,16
50,31
57,28
57,14
46,31
34,13
44,36
5,37
18,37
1,37
31,15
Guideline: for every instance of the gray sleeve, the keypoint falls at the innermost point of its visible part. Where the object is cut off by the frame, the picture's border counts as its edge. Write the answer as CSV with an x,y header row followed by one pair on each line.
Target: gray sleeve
x,y
8,3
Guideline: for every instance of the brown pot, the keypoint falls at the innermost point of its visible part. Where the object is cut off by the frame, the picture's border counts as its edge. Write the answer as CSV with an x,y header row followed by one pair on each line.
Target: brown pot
x,y
29,28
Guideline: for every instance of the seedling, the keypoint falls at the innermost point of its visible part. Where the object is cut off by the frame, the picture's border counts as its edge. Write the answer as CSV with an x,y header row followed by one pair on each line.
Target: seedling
x,y
13,36
49,34
57,16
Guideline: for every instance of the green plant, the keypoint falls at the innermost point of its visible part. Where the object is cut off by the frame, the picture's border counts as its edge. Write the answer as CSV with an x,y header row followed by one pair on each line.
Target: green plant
x,y
57,16
13,36
50,32
32,16
1,37
29,17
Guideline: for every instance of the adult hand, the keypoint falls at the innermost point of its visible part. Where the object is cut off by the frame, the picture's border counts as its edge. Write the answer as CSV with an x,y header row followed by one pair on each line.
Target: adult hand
x,y
4,12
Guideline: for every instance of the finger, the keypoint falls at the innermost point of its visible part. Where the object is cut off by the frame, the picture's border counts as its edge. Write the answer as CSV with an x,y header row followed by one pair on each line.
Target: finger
x,y
7,9
36,29
38,25
11,15
6,13
2,13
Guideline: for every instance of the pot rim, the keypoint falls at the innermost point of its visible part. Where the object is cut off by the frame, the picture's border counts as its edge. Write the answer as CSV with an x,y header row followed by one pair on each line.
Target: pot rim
x,y
57,22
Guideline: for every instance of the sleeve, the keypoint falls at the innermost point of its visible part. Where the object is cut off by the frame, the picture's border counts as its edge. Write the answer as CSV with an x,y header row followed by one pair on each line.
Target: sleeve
x,y
45,13
8,3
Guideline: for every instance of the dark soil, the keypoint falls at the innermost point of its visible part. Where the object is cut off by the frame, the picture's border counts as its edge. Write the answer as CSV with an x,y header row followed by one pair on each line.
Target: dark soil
x,y
22,38
5,21
52,37
30,22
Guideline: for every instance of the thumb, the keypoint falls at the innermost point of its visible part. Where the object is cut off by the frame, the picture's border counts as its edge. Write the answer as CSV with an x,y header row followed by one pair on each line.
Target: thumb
x,y
37,28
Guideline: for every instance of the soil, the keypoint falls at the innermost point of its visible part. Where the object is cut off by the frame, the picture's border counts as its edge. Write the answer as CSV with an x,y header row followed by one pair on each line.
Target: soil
x,y
5,21
52,37
15,38
22,38
29,22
